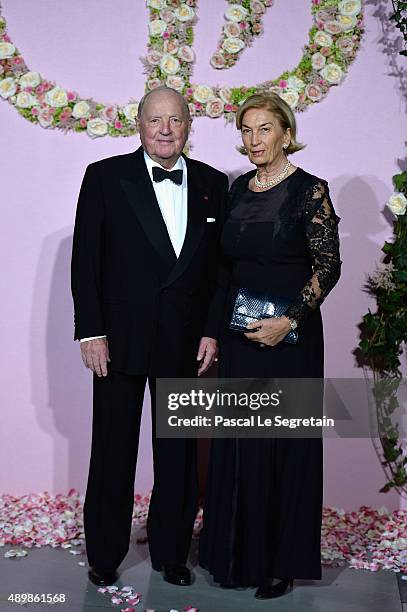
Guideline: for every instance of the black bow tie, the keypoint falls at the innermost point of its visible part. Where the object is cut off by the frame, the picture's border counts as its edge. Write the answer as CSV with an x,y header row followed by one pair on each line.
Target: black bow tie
x,y
159,174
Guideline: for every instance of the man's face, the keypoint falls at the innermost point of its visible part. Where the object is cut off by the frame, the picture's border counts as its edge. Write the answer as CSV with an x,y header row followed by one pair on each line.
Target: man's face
x,y
163,127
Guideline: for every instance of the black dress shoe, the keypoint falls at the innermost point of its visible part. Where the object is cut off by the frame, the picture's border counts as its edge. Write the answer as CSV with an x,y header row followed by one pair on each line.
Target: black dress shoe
x,y
178,574
268,590
102,577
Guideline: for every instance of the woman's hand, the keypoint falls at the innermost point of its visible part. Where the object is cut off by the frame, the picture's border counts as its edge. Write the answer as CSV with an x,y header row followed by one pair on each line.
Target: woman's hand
x,y
269,331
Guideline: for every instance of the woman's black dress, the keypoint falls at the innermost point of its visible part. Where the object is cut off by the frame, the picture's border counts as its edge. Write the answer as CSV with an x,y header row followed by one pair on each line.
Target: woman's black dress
x,y
262,513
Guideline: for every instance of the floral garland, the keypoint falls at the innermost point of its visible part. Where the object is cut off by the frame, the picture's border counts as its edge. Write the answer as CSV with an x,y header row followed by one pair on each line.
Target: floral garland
x,y
242,25
333,42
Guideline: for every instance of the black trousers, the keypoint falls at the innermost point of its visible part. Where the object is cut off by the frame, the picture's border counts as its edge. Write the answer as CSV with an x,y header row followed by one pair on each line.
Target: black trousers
x,y
117,408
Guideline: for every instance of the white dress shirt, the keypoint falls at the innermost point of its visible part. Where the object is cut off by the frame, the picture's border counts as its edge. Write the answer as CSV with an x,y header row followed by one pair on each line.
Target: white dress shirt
x,y
173,202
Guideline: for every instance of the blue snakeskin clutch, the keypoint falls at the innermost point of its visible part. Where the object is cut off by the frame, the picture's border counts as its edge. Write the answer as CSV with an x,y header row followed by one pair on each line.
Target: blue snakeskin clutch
x,y
251,306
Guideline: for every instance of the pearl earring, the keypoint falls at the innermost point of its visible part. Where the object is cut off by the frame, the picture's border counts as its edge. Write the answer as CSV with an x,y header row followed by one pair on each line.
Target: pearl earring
x,y
285,146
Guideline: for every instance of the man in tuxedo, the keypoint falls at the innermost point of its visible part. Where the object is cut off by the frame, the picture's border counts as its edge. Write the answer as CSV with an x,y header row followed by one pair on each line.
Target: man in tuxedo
x,y
145,248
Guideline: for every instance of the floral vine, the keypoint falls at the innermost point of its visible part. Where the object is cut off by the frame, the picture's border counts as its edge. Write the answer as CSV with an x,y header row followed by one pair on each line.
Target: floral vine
x,y
384,332
334,39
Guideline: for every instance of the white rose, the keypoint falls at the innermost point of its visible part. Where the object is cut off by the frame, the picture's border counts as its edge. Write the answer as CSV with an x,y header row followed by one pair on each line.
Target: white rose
x,y
96,128
185,13
169,64
322,39
294,82
318,61
157,27
290,96
214,108
130,111
156,4
8,87
25,100
397,203
226,95
81,110
332,73
56,97
30,79
350,7
231,29
236,13
348,22
203,93
176,82
233,45
6,50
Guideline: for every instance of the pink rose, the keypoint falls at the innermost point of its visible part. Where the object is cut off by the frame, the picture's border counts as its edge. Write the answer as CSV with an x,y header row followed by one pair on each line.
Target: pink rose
x,y
257,7
153,83
243,25
71,95
83,123
189,91
231,29
228,108
35,111
166,35
171,46
313,92
325,51
118,125
345,45
186,54
167,15
323,16
198,106
171,29
17,60
45,118
217,60
109,113
154,57
214,108
283,84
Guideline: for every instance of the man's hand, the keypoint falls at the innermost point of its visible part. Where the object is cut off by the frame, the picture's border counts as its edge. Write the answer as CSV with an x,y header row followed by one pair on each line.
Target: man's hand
x,y
207,354
269,331
95,355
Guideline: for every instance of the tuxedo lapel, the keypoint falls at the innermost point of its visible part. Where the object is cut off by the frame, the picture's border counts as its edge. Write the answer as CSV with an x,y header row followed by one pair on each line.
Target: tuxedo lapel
x,y
141,196
195,224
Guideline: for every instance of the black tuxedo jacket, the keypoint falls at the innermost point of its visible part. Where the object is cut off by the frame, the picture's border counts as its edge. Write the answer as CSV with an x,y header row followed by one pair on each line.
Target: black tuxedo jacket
x,y
128,283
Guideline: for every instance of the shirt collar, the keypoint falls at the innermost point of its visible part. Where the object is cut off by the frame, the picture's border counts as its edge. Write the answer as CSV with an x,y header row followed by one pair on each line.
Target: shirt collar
x,y
150,163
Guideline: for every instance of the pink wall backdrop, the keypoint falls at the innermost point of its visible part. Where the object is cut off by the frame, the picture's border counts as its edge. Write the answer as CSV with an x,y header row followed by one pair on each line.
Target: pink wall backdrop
x,y
354,139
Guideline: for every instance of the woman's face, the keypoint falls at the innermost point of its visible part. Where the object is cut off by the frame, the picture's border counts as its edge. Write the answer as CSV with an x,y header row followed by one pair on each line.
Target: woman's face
x,y
263,136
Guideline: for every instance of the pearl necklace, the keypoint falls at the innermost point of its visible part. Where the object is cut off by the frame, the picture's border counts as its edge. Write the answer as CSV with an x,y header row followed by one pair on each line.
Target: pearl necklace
x,y
274,180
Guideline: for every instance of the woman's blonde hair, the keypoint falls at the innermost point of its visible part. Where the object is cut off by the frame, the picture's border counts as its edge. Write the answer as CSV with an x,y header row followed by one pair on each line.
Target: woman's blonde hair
x,y
280,109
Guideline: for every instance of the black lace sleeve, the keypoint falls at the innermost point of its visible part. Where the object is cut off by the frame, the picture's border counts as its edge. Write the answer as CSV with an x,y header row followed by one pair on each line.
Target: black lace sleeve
x,y
321,231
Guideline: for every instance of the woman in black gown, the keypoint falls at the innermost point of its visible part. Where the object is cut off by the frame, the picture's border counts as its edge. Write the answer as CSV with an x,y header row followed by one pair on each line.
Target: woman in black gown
x,y
263,506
